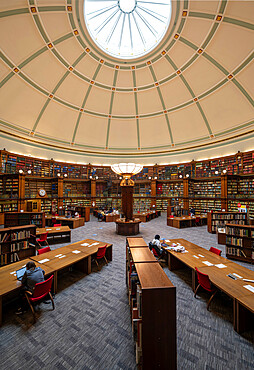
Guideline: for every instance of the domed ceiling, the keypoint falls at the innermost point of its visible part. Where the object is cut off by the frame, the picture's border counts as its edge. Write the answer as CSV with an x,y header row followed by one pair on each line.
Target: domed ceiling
x,y
61,94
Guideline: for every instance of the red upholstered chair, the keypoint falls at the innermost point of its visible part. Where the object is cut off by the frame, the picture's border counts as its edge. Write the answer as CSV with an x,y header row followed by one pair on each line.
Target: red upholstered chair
x,y
53,221
198,221
215,250
204,282
44,250
43,239
57,225
101,254
41,291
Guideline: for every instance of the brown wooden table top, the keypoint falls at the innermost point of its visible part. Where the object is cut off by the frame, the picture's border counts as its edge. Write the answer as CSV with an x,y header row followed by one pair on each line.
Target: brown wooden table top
x,y
188,218
63,218
142,255
91,246
195,255
233,288
52,230
136,242
59,258
8,280
151,275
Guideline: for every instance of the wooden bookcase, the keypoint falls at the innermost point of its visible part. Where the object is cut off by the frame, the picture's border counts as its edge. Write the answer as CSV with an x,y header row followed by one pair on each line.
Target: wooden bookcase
x,y
240,242
152,299
17,243
219,219
12,219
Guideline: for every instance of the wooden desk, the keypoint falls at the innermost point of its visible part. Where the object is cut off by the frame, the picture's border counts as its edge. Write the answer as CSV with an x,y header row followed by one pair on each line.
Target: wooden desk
x,y
140,255
9,282
185,221
90,249
73,223
146,216
56,235
61,258
127,228
135,242
243,299
111,217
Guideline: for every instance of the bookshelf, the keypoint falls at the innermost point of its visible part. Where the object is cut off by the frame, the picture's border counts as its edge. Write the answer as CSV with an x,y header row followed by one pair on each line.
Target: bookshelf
x,y
141,204
152,300
240,242
142,189
217,220
12,219
17,243
76,188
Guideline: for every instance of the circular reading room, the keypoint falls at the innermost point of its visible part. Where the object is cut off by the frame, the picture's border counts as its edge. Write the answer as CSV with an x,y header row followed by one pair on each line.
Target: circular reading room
x,y
127,184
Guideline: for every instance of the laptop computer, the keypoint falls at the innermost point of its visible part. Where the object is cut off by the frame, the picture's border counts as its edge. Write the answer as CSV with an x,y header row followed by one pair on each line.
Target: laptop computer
x,y
20,273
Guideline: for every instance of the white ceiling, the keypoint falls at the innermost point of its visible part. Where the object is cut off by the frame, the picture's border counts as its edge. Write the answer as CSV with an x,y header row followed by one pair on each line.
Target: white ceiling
x,y
62,97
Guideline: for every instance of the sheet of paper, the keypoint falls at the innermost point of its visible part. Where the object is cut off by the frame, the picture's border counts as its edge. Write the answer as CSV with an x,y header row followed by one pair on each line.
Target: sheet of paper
x,y
220,266
248,280
249,287
167,241
207,263
85,244
76,251
48,229
62,256
236,275
201,255
185,251
58,255
94,244
195,256
43,261
57,228
13,273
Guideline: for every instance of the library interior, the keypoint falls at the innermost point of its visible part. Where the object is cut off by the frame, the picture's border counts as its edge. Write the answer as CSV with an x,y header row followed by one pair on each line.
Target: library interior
x,y
126,184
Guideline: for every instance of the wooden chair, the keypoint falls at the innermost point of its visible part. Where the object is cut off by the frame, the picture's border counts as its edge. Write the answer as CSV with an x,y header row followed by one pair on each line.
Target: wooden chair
x,y
41,291
215,250
198,221
43,239
44,250
57,225
101,254
204,282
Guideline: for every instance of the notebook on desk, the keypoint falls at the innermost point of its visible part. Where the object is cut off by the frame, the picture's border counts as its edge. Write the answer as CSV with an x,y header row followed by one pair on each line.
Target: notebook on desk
x,y
20,273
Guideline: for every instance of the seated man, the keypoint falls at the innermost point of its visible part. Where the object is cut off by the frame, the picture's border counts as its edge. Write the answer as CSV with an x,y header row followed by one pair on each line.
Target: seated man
x,y
156,244
32,276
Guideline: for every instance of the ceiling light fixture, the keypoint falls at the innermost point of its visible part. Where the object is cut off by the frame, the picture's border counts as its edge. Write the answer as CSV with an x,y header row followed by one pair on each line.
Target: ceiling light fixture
x,y
127,170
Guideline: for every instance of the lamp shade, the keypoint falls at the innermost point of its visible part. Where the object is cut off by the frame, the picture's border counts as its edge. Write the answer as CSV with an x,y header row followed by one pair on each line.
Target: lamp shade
x,y
126,168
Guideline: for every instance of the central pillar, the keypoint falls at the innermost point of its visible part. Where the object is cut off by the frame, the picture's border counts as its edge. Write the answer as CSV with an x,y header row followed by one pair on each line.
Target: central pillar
x,y
127,202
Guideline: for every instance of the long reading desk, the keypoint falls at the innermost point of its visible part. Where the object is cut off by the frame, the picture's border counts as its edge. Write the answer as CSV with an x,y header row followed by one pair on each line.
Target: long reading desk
x,y
72,222
218,268
61,234
78,254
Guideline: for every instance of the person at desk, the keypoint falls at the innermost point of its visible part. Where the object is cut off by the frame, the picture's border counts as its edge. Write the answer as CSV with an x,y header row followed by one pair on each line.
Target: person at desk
x,y
68,214
156,244
192,212
32,276
76,214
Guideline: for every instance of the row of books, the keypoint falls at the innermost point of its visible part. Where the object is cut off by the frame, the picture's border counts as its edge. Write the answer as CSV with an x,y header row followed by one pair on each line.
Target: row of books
x,y
9,258
18,246
233,240
237,231
236,252
20,235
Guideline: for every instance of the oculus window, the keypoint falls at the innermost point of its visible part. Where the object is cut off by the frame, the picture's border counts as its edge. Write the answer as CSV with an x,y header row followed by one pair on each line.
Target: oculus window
x,y
127,29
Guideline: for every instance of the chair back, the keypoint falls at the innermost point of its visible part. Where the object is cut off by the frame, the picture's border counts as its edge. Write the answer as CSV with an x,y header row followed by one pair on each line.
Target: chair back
x,y
41,289
215,250
155,253
44,250
197,219
101,252
204,281
43,237
57,225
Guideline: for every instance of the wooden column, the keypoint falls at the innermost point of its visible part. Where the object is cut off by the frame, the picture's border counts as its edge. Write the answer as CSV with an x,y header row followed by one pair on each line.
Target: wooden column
x,y
93,193
224,192
127,202
185,193
60,191
22,202
153,193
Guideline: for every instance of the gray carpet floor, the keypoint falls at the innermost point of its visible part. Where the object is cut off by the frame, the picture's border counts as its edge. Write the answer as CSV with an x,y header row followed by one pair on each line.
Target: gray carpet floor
x,y
91,329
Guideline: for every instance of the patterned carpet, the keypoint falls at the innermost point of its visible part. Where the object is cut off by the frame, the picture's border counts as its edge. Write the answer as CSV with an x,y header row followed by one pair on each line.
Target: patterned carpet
x,y
91,329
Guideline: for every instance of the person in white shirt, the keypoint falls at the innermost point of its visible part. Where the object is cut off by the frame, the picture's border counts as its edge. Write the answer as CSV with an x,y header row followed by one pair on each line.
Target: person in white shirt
x,y
157,244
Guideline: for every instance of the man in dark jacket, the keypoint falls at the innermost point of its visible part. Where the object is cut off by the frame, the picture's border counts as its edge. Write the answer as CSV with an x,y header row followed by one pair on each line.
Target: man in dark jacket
x,y
32,276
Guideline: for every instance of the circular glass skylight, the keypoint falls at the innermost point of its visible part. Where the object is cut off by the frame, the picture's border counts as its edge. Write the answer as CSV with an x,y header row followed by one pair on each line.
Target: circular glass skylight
x,y
127,28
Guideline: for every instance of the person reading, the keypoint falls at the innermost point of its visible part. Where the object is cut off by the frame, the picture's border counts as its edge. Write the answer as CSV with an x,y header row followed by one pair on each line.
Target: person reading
x,y
32,276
